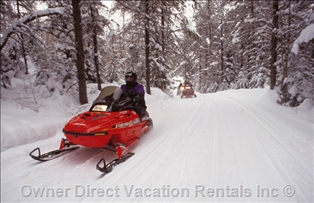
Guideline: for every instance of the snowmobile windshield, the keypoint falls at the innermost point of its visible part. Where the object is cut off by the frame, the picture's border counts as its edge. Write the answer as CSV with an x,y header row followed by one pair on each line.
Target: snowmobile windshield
x,y
106,91
117,94
104,98
120,102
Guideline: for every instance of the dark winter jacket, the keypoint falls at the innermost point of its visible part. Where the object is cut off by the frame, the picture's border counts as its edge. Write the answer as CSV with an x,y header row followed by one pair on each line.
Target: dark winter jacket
x,y
132,91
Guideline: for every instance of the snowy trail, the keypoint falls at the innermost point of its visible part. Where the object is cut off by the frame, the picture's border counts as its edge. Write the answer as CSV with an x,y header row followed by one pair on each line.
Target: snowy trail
x,y
240,151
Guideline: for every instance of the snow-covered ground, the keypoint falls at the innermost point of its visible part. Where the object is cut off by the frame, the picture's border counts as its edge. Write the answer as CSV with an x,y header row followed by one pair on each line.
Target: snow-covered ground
x,y
231,146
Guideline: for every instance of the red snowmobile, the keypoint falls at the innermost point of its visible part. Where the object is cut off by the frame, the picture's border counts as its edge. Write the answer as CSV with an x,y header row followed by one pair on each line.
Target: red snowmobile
x,y
110,123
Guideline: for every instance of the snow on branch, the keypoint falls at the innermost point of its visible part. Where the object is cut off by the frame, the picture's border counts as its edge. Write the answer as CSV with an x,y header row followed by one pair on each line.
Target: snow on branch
x,y
306,35
136,10
23,21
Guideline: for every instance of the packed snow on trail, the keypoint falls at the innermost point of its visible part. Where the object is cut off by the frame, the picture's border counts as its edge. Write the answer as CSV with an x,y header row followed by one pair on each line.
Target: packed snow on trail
x,y
231,146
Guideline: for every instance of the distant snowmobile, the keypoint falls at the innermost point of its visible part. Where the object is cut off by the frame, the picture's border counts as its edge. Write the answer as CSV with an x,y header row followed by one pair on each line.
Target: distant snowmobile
x,y
188,91
110,123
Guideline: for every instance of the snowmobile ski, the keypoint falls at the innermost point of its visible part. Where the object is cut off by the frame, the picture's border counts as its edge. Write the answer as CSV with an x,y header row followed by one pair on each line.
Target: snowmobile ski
x,y
107,168
52,154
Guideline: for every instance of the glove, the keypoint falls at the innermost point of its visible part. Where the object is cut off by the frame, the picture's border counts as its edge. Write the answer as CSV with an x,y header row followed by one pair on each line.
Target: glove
x,y
137,98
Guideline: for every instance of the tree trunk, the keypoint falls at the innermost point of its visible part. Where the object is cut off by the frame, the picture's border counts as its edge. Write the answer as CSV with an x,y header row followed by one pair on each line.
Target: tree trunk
x,y
96,62
209,35
80,59
273,45
147,48
251,62
221,47
22,39
208,45
284,88
163,28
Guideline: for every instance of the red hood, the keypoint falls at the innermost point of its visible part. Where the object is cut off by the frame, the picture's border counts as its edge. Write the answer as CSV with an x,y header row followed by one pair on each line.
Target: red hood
x,y
93,122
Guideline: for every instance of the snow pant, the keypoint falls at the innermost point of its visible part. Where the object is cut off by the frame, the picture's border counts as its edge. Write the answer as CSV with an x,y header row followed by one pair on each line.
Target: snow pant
x,y
140,108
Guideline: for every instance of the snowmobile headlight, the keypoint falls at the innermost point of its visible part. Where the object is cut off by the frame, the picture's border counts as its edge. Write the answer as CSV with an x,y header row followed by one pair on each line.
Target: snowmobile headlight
x,y
181,88
188,88
99,107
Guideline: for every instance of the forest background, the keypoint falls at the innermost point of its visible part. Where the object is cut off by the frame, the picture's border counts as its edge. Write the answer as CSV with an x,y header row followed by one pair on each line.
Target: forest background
x,y
216,44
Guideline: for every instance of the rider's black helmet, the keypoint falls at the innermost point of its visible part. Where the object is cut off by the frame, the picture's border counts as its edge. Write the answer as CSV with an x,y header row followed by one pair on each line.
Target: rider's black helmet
x,y
130,78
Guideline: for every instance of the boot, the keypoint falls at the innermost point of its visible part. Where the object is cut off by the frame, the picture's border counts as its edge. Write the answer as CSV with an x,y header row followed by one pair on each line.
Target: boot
x,y
145,116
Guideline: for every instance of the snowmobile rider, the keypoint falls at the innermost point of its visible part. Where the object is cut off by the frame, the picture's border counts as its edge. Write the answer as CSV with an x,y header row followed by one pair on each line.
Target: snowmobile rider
x,y
187,83
135,91
179,88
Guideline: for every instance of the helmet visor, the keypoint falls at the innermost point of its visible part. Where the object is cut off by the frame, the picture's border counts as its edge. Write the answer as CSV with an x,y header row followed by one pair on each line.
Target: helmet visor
x,y
129,78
